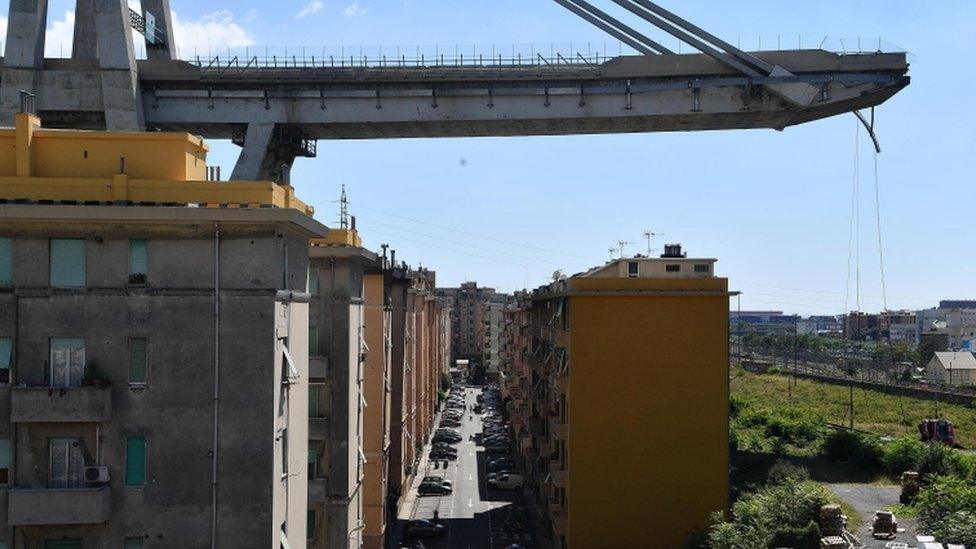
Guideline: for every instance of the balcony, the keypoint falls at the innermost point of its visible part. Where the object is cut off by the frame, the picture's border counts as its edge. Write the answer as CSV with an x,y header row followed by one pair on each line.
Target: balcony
x,y
525,442
317,428
317,490
558,521
60,405
560,431
57,506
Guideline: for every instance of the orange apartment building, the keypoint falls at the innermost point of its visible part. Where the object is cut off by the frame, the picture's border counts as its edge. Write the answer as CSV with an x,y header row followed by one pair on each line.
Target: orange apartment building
x,y
617,383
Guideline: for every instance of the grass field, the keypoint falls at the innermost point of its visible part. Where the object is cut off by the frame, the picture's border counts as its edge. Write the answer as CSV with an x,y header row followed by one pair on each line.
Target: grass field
x,y
874,411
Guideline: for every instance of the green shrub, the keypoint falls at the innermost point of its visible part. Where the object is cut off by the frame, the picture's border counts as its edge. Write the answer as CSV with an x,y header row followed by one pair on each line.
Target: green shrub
x,y
737,404
947,508
937,459
861,450
904,454
784,471
774,516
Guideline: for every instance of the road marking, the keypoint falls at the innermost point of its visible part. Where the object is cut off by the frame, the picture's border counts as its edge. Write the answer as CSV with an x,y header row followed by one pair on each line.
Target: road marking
x,y
470,503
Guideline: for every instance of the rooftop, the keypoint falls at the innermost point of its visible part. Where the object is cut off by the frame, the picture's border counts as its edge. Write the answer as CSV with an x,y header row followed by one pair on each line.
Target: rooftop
x,y
44,166
956,360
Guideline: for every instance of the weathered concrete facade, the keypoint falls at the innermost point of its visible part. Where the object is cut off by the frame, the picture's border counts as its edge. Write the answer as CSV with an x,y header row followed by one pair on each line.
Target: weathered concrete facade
x,y
222,287
376,392
337,314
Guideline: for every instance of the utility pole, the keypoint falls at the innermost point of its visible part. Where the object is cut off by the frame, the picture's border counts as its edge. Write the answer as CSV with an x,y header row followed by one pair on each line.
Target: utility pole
x,y
343,209
796,350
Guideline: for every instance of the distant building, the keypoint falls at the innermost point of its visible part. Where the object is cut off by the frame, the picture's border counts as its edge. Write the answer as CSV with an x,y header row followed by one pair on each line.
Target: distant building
x,y
467,319
957,304
494,321
860,326
765,322
956,319
955,368
591,366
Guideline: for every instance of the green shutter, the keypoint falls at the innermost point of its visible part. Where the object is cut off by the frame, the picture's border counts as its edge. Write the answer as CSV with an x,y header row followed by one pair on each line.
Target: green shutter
x,y
313,341
4,453
134,543
6,353
138,258
6,262
67,263
310,528
137,360
135,461
313,402
313,280
65,543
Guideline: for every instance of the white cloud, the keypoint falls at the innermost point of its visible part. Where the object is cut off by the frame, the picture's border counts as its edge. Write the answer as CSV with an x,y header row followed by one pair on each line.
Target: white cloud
x,y
310,8
251,15
355,9
59,37
217,30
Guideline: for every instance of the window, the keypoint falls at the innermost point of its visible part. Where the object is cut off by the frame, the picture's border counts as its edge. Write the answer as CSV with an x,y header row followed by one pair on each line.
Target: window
x,y
701,268
310,534
6,356
313,460
633,269
6,262
672,268
67,263
67,361
313,280
63,543
66,463
313,401
134,543
284,453
4,460
137,361
313,341
135,461
138,262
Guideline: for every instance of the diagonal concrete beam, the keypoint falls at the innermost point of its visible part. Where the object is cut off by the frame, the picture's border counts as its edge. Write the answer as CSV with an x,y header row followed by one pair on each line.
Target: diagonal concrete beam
x,y
24,54
164,25
257,142
117,60
83,43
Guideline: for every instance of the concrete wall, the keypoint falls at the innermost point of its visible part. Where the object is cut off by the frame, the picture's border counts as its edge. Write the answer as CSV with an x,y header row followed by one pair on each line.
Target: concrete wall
x,y
174,409
338,312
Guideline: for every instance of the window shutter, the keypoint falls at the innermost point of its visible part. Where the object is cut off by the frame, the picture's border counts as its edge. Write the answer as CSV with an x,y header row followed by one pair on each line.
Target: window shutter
x,y
134,543
6,262
135,461
137,360
138,257
6,352
313,341
67,263
310,534
313,402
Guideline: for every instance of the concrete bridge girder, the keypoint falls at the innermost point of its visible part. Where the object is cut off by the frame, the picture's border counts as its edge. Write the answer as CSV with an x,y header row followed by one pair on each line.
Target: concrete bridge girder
x,y
602,108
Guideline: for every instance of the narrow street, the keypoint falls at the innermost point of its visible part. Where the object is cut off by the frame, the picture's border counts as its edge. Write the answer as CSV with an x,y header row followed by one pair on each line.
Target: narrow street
x,y
473,512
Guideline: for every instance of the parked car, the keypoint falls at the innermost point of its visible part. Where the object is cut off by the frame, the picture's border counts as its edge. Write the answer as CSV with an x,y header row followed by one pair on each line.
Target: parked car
x,y
509,481
494,475
444,437
444,446
435,478
423,529
498,449
500,462
442,453
450,422
434,488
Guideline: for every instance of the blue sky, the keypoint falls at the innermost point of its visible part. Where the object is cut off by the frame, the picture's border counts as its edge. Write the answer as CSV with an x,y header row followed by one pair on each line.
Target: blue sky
x,y
773,207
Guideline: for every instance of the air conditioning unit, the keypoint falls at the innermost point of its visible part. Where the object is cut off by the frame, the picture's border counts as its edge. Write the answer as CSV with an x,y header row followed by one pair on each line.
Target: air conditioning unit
x,y
96,474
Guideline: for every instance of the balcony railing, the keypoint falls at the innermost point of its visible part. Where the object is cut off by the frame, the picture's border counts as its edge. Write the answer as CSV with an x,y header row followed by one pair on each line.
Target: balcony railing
x,y
60,404
57,506
559,430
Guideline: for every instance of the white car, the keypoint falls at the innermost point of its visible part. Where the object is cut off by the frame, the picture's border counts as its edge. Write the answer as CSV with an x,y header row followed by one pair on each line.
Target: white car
x,y
508,481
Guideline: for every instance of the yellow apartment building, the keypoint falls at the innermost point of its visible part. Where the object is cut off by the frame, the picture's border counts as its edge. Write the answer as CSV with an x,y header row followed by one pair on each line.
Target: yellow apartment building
x,y
622,391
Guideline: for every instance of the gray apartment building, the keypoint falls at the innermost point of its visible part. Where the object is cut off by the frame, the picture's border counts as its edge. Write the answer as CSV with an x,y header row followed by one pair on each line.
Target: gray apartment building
x,y
155,382
336,344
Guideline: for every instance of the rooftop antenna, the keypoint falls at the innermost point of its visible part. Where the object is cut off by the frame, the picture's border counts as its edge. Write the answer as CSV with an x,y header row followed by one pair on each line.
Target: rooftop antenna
x,y
648,235
612,251
343,209
621,246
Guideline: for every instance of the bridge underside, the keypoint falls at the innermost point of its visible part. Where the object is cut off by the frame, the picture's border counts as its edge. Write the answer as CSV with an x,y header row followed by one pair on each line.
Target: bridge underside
x,y
269,110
